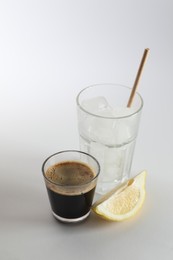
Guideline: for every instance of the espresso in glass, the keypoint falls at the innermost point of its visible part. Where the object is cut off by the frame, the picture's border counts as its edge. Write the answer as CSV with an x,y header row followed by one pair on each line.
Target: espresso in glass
x,y
71,186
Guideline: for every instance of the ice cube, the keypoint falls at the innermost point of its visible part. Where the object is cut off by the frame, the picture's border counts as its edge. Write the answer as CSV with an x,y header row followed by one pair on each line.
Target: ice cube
x,y
114,163
94,104
98,106
122,132
125,125
112,129
110,132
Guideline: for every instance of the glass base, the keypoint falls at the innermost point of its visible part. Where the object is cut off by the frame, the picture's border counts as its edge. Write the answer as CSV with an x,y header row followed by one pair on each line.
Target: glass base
x,y
70,220
104,187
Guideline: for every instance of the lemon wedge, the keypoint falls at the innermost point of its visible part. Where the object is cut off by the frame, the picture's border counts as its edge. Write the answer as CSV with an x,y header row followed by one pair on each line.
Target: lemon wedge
x,y
123,201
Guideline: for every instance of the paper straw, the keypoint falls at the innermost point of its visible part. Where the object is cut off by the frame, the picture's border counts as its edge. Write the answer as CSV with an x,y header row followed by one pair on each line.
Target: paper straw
x,y
141,66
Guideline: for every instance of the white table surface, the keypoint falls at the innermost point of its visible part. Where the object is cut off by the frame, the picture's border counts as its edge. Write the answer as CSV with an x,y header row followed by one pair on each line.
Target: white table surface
x,y
49,51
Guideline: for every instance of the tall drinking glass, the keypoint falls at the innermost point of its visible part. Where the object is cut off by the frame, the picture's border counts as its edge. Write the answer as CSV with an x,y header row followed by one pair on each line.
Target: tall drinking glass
x,y
108,130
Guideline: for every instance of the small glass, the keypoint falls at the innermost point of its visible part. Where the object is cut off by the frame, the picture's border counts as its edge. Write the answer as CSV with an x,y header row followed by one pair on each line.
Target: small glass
x,y
70,177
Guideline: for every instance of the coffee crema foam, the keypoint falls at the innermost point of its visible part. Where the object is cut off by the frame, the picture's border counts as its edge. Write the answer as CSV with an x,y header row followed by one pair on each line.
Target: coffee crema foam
x,y
70,178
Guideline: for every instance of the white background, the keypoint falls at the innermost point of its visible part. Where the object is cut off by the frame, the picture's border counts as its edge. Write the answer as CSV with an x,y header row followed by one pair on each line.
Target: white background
x,y
49,51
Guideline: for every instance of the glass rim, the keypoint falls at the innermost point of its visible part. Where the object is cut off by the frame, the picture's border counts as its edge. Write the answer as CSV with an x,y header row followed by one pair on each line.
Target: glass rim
x,y
71,151
110,117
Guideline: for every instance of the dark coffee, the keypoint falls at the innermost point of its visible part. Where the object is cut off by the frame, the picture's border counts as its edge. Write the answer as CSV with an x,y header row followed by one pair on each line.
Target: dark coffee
x,y
70,189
